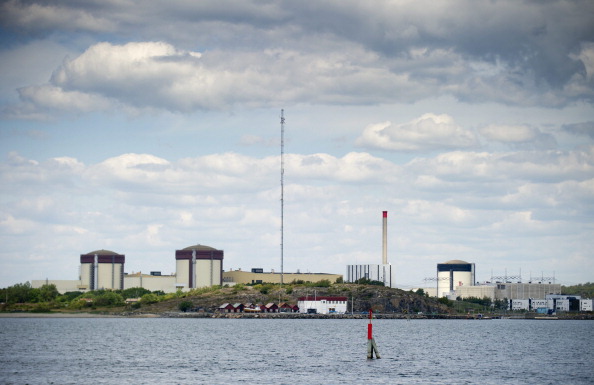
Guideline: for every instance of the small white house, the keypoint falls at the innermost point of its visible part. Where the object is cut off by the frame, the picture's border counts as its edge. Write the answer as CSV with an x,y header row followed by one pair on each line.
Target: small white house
x,y
322,305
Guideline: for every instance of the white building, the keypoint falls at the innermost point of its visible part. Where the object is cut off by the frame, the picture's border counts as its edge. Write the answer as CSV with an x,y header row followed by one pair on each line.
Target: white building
x,y
454,274
520,304
586,304
322,305
381,273
562,305
536,304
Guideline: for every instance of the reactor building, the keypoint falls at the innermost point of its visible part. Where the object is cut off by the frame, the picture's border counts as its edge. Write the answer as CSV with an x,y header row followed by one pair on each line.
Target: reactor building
x,y
102,269
196,266
452,274
375,272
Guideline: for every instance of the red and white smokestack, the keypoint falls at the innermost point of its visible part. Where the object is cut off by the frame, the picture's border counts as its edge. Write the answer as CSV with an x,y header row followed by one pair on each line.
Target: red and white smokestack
x,y
385,239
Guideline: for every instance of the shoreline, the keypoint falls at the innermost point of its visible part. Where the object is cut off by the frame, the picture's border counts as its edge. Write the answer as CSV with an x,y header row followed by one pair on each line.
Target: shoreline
x,y
278,316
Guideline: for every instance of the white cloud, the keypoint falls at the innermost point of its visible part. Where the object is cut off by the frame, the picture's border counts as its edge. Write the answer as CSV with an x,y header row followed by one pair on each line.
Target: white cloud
x,y
51,97
509,134
428,132
445,207
544,166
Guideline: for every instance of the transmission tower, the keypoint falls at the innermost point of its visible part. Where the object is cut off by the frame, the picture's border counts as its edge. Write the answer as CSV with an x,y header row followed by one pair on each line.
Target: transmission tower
x,y
282,199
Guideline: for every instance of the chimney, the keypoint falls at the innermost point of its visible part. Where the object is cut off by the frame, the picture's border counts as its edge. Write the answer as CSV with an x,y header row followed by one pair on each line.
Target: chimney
x,y
385,239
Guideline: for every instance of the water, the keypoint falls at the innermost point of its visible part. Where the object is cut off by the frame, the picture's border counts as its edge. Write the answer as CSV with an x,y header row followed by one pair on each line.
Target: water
x,y
258,351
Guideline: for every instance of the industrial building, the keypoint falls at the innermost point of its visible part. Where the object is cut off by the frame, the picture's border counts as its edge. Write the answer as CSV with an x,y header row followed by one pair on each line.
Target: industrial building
x,y
196,266
553,303
454,274
374,272
516,290
381,273
322,305
257,275
102,269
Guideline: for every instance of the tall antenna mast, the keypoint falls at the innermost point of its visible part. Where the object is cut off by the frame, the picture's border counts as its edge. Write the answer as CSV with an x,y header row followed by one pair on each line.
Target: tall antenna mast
x,y
282,191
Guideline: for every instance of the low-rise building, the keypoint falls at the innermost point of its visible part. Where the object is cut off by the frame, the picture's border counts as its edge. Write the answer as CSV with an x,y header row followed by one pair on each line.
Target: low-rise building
x,y
520,304
322,305
257,275
586,304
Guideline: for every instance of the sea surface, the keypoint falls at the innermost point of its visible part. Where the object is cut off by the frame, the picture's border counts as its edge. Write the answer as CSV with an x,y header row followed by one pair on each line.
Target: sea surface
x,y
300,351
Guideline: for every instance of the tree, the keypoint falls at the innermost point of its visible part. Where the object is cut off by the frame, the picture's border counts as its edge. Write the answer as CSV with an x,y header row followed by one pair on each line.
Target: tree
x,y
108,298
48,292
149,298
19,293
69,296
185,306
134,292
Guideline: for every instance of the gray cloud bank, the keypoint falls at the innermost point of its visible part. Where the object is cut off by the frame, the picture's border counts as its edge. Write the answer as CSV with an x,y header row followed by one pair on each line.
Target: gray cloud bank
x,y
348,52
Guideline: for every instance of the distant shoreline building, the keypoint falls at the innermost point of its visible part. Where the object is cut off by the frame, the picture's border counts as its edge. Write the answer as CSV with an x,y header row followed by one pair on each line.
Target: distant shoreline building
x,y
196,266
322,305
453,274
374,272
102,269
257,275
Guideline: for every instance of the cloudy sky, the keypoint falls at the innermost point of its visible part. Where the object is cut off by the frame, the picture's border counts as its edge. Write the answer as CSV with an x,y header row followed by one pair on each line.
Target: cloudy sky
x,y
145,127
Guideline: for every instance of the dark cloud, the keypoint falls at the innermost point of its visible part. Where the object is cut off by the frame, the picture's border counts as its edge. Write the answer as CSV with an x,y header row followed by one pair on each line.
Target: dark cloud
x,y
585,128
513,52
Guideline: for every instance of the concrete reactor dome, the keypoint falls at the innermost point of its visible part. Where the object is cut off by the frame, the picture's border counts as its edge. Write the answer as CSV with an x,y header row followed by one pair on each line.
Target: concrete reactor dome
x,y
103,252
199,247
456,262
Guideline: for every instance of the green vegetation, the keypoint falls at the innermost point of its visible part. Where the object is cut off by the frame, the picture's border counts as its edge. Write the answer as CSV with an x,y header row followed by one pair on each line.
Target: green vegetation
x,y
185,306
365,281
585,290
23,297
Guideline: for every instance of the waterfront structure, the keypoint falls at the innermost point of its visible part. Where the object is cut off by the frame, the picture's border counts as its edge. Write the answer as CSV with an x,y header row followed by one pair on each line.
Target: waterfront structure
x,y
374,272
154,281
322,305
102,269
507,290
453,274
382,273
258,275
526,290
198,266
520,304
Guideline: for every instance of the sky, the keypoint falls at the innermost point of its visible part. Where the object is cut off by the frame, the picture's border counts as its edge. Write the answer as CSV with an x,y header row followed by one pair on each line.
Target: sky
x,y
146,127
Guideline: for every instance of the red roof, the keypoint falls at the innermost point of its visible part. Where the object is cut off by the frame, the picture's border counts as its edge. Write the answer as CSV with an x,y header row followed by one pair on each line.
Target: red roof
x,y
319,298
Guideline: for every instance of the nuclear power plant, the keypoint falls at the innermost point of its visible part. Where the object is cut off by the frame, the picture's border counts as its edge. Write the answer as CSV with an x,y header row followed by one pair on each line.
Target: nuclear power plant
x,y
196,266
382,273
453,274
102,269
